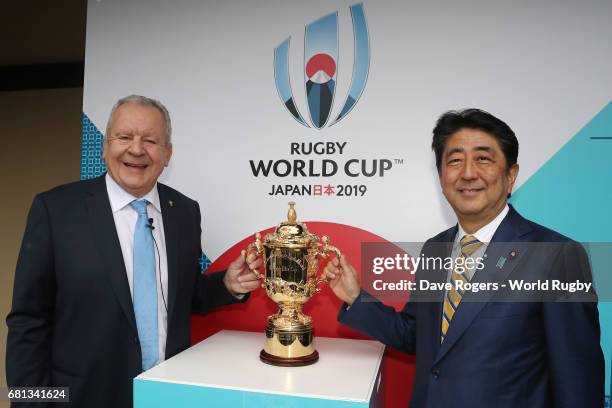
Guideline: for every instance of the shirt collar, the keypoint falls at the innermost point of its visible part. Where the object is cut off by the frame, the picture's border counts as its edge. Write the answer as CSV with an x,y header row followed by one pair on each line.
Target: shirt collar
x,y
119,198
485,233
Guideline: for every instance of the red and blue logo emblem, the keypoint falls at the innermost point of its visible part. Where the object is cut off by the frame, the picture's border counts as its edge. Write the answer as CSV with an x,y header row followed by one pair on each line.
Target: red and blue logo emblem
x,y
320,69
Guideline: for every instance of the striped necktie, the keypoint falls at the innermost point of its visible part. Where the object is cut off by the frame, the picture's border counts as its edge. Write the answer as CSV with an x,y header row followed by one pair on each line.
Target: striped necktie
x,y
145,287
453,297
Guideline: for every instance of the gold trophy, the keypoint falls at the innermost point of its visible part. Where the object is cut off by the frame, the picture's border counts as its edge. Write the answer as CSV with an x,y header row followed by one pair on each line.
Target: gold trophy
x,y
291,260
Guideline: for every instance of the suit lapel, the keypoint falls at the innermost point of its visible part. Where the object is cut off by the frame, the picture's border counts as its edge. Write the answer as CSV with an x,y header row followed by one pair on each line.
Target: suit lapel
x,y
171,236
107,240
505,240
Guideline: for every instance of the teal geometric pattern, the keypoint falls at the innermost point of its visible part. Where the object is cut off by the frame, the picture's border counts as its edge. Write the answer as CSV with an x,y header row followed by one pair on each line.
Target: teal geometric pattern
x,y
92,141
204,262
572,194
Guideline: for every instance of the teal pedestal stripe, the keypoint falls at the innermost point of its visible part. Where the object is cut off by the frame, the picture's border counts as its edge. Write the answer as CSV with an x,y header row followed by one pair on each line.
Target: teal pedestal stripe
x,y
157,394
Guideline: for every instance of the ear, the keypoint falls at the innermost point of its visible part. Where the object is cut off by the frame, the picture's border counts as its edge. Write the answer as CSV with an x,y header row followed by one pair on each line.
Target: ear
x,y
512,174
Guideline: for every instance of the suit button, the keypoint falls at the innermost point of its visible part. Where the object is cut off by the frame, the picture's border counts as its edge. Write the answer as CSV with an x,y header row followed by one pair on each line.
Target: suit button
x,y
435,373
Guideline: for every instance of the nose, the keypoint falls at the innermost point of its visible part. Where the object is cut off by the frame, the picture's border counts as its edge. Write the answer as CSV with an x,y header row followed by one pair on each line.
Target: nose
x,y
136,147
469,171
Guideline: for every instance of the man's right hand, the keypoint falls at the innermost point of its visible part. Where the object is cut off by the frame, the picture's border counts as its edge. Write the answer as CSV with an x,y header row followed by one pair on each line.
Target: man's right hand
x,y
343,279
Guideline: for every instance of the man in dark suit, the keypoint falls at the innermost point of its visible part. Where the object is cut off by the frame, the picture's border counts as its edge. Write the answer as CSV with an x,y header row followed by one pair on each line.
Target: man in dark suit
x,y
108,272
495,348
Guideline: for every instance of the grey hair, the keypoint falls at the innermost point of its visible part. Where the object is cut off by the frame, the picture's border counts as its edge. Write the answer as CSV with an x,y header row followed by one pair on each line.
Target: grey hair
x,y
143,101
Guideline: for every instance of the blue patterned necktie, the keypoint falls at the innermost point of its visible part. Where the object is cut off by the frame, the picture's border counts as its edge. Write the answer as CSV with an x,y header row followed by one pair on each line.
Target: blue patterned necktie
x,y
145,286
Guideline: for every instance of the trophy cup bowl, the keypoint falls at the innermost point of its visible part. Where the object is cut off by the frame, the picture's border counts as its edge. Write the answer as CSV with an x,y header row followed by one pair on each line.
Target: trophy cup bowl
x,y
291,260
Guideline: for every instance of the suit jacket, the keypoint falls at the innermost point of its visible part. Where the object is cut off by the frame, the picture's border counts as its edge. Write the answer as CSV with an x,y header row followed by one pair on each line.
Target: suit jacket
x,y
72,321
499,351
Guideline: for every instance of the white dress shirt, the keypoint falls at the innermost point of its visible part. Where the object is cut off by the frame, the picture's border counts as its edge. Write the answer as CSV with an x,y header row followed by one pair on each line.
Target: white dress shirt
x,y
484,235
125,222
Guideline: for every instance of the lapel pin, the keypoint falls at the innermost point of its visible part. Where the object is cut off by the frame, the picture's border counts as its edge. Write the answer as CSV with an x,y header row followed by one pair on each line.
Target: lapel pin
x,y
171,203
500,262
513,253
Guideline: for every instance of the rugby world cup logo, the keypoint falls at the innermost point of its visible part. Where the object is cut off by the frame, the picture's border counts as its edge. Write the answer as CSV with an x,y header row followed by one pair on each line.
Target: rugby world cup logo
x,y
320,69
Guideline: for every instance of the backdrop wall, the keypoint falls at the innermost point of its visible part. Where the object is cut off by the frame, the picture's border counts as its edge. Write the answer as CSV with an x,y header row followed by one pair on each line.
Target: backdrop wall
x,y
331,105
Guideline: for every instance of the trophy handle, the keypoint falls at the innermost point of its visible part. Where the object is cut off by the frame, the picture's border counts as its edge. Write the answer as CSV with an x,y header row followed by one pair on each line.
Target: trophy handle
x,y
258,249
324,253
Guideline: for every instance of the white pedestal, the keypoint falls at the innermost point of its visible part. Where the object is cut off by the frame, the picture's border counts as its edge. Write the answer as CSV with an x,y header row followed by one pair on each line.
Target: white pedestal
x,y
225,371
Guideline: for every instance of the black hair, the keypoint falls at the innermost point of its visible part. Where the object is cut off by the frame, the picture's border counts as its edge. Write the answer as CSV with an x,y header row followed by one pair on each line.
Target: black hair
x,y
453,121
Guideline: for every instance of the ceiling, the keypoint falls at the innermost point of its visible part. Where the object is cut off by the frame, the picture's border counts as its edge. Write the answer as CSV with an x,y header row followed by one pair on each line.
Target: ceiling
x,y
42,32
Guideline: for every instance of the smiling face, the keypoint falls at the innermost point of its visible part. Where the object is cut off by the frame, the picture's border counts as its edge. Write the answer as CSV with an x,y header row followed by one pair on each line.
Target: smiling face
x,y
136,149
474,177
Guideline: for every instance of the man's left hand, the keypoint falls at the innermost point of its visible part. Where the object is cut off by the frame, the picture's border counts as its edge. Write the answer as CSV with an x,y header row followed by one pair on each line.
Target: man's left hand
x,y
240,277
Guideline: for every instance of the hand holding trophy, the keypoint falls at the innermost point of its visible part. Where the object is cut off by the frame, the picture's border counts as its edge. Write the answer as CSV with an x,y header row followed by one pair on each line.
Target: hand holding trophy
x,y
291,260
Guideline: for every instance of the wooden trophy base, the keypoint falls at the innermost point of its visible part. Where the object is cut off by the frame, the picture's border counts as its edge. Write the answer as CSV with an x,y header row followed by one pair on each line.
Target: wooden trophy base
x,y
289,361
